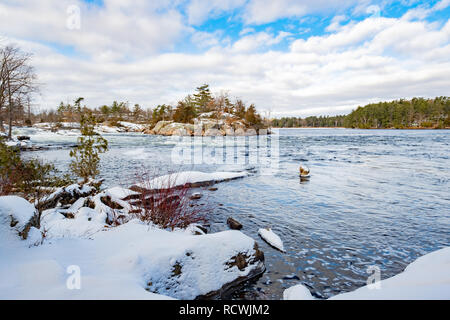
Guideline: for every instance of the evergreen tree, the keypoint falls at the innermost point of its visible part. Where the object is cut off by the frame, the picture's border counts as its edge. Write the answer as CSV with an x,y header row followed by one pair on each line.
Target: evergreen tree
x,y
185,111
86,154
203,98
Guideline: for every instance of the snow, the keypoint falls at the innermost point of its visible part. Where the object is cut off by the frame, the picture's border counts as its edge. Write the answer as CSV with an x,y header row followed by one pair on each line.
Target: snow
x,y
426,278
271,238
134,260
190,177
20,209
86,222
132,126
119,192
107,129
298,292
121,263
72,189
12,143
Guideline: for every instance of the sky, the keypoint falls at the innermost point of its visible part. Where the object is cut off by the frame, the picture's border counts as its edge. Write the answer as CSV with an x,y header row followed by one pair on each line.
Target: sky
x,y
288,57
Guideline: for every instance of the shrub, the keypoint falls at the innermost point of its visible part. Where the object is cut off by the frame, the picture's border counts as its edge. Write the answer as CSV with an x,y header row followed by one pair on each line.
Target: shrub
x,y
167,205
427,124
29,177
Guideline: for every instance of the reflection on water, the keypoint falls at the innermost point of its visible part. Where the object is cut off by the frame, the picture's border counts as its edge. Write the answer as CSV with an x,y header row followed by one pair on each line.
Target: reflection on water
x,y
374,198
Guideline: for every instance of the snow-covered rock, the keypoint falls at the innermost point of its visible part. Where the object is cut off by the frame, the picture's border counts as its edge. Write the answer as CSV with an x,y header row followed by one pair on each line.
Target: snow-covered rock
x,y
121,193
191,178
65,195
132,127
17,213
271,238
298,292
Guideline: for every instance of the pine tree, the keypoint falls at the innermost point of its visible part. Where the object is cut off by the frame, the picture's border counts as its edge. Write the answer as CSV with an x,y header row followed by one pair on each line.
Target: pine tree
x,y
203,98
86,154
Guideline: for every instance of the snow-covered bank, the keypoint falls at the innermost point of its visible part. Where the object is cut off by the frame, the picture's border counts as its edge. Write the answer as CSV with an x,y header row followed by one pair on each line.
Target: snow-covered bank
x,y
427,278
129,259
132,261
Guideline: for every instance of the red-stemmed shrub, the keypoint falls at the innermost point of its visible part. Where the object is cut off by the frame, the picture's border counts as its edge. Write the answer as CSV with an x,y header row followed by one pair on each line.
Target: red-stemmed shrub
x,y
166,204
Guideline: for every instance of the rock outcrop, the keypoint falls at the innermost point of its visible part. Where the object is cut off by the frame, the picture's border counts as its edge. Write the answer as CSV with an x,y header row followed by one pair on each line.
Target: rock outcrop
x,y
206,127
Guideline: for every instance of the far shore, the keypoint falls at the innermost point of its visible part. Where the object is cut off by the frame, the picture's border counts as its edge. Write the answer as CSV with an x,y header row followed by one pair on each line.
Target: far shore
x,y
412,128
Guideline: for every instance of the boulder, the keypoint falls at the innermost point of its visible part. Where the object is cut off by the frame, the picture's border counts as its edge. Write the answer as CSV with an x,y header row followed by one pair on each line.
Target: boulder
x,y
196,196
240,132
199,271
18,214
213,133
242,261
160,125
234,224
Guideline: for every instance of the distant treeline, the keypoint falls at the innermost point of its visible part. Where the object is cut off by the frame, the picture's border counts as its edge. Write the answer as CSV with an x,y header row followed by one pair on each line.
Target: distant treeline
x,y
399,114
313,122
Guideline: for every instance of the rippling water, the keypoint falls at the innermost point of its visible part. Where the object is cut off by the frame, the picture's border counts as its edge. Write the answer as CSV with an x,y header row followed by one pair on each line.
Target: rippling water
x,y
375,197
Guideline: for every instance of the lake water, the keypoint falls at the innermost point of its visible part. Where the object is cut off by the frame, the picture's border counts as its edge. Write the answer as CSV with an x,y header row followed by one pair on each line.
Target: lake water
x,y
375,198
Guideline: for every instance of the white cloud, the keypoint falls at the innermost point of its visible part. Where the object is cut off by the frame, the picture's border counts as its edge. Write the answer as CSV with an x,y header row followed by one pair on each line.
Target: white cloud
x,y
336,23
200,10
116,30
258,40
359,62
206,39
264,11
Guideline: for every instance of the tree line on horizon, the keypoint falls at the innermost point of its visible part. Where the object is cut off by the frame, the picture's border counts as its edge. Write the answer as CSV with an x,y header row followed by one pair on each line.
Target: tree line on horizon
x,y
398,114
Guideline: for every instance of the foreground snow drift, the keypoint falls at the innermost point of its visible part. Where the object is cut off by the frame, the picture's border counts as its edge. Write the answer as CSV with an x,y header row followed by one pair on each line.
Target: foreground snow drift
x,y
426,278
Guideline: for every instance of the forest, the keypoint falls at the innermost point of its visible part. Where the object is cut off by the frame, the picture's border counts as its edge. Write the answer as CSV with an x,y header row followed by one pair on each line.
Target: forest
x,y
398,114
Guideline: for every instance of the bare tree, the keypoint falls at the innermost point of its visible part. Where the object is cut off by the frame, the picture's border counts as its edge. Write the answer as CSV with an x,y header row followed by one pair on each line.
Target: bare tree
x,y
17,81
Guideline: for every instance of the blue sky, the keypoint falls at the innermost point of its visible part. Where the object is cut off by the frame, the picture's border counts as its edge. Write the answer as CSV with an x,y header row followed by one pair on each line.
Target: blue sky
x,y
289,57
231,23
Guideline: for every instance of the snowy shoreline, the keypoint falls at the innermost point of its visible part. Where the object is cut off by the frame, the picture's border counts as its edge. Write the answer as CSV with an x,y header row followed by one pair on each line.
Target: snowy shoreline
x,y
133,260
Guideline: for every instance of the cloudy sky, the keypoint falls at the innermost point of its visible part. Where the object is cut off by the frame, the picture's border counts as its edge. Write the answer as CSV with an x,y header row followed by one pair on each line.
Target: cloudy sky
x,y
289,57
